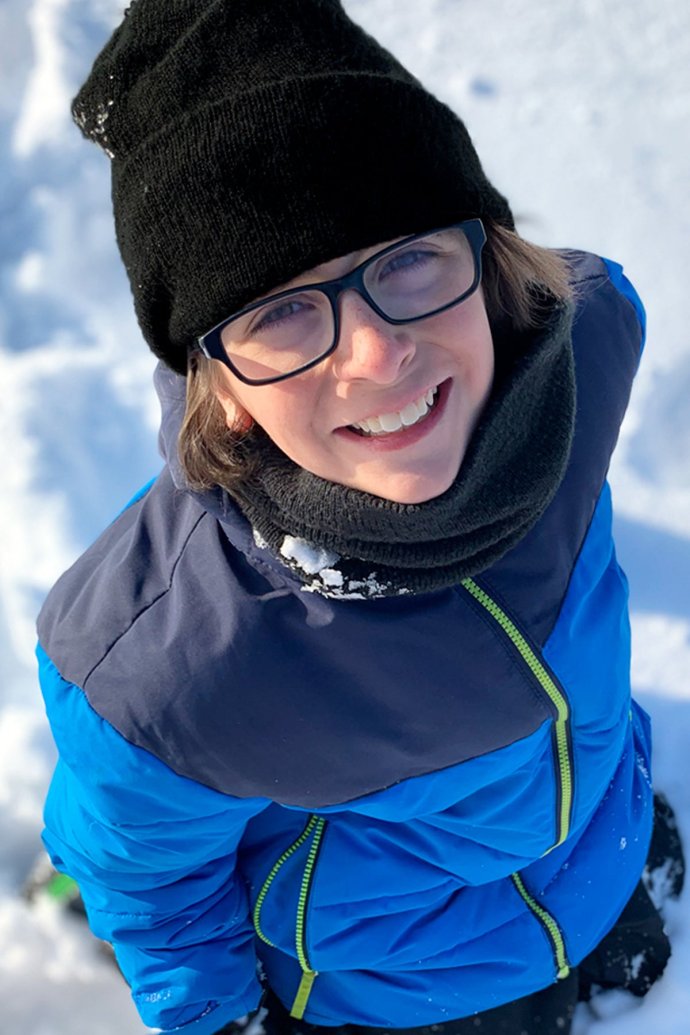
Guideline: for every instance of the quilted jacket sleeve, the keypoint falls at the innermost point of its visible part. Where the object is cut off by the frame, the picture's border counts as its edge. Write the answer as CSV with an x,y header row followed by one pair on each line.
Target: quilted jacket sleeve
x,y
154,855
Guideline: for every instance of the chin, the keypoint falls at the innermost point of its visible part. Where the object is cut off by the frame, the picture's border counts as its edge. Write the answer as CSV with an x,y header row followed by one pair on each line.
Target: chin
x,y
412,490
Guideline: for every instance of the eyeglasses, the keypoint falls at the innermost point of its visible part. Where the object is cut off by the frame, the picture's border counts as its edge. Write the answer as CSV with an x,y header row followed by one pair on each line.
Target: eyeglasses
x,y
291,331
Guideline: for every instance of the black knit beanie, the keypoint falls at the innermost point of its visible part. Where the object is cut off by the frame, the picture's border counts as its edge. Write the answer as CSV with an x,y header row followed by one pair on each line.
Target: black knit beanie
x,y
254,139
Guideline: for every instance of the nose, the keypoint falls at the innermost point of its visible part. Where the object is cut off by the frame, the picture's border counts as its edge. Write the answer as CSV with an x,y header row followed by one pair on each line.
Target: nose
x,y
369,348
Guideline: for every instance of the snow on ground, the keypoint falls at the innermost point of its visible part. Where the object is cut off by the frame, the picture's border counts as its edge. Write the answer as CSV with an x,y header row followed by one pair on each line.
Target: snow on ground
x,y
580,111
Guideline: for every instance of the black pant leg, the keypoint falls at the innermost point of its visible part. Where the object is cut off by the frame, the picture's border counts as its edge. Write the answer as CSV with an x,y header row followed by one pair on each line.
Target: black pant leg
x,y
547,1012
633,955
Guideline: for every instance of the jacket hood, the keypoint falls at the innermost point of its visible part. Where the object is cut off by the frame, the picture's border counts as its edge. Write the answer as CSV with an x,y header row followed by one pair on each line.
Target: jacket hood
x,y
171,389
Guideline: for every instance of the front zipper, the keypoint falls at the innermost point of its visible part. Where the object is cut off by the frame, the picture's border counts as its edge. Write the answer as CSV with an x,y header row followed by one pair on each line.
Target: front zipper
x,y
561,730
549,925
314,829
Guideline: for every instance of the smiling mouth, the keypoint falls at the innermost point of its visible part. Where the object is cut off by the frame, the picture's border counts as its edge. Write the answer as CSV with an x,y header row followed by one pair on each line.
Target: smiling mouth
x,y
388,423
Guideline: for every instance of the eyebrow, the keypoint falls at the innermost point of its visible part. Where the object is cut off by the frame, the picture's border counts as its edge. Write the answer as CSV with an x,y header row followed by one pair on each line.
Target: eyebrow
x,y
312,271
310,276
313,276
372,249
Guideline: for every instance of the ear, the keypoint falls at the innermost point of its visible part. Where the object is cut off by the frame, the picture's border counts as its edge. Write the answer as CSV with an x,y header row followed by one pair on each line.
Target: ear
x,y
236,417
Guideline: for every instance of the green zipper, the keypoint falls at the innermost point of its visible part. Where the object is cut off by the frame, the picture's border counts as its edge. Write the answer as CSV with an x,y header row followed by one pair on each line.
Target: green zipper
x,y
549,924
308,974
311,823
557,698
315,826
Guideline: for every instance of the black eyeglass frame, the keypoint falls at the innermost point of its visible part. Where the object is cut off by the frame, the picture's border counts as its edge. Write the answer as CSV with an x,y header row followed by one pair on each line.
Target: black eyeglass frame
x,y
211,343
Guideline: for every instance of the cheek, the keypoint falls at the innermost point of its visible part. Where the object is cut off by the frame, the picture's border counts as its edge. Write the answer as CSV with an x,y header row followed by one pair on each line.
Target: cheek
x,y
486,359
470,340
284,410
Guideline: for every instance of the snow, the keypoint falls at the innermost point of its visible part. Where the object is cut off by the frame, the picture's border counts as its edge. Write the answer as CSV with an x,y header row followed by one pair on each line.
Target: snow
x,y
580,111
310,558
331,577
317,562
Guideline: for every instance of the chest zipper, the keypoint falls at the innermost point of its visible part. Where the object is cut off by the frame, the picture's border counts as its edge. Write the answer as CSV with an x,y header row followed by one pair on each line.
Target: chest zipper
x,y
561,729
314,831
562,750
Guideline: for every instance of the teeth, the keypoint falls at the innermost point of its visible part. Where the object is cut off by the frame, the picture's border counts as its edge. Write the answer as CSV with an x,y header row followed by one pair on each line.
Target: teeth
x,y
405,418
410,414
390,421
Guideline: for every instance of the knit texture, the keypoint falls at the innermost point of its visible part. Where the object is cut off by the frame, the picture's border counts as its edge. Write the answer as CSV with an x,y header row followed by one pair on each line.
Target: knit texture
x,y
254,139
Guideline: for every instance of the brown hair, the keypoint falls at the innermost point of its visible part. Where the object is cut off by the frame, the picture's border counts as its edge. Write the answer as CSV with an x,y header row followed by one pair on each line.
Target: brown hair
x,y
517,279
210,452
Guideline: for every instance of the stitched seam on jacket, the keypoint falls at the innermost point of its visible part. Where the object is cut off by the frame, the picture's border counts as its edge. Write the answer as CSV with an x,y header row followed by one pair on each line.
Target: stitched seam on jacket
x,y
122,916
150,604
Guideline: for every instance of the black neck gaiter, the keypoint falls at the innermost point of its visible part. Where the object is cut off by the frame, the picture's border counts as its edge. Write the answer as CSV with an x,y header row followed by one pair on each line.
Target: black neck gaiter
x,y
346,543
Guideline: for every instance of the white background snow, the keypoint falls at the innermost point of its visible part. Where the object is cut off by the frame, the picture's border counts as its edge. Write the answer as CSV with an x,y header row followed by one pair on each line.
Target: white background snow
x,y
580,110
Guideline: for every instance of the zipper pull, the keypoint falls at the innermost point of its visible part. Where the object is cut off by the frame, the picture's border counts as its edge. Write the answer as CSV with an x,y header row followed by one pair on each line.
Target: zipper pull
x,y
303,992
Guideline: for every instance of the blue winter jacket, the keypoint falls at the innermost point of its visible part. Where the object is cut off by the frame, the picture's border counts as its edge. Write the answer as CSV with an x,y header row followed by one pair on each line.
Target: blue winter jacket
x,y
410,808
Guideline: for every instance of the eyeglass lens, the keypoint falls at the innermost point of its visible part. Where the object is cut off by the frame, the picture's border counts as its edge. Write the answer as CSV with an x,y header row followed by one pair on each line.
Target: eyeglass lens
x,y
418,278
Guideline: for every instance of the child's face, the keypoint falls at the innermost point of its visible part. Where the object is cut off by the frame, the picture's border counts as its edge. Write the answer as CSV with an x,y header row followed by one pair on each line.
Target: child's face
x,y
379,369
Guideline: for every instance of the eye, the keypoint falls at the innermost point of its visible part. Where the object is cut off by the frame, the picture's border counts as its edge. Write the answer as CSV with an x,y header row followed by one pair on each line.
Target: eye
x,y
413,258
276,314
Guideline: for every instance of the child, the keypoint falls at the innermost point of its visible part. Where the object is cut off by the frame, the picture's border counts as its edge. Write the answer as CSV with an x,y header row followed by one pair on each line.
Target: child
x,y
345,691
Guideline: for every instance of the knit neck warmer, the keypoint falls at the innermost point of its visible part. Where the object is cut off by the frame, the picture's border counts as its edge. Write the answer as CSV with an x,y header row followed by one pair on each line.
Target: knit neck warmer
x,y
346,543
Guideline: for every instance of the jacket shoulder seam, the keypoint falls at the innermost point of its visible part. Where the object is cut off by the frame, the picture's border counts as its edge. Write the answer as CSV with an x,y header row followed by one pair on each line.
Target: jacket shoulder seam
x,y
147,606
